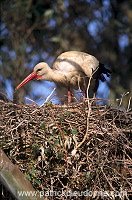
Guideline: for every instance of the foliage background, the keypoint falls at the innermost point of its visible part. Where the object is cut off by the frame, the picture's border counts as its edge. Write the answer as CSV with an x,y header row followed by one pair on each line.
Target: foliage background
x,y
34,31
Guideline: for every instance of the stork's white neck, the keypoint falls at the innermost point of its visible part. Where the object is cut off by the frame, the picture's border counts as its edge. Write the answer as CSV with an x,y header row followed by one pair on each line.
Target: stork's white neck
x,y
54,76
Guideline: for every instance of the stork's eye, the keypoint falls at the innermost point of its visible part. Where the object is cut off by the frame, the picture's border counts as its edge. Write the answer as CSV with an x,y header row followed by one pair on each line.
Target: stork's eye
x,y
38,70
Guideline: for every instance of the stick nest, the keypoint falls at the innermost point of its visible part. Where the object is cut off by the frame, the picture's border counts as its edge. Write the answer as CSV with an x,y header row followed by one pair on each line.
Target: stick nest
x,y
40,141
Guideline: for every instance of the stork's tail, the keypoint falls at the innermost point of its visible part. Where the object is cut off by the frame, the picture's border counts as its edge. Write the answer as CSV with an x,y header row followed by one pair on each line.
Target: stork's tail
x,y
102,70
99,75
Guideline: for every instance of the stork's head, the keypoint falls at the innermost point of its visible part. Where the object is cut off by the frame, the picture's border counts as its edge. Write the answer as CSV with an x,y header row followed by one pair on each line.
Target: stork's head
x,y
41,69
39,72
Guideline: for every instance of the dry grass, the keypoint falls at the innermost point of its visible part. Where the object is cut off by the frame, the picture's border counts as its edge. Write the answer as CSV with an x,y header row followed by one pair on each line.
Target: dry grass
x,y
41,142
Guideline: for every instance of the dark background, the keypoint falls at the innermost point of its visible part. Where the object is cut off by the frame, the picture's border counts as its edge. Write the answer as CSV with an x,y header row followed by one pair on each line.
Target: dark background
x,y
34,31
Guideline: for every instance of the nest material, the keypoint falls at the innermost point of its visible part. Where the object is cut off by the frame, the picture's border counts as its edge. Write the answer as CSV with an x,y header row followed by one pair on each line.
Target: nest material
x,y
40,141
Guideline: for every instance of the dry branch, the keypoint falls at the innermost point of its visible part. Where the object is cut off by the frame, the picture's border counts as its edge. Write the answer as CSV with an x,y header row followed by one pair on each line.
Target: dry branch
x,y
40,141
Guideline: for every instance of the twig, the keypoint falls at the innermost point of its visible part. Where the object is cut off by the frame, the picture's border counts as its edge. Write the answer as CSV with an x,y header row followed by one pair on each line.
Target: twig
x,y
86,134
35,110
123,95
31,101
88,116
129,103
107,179
45,100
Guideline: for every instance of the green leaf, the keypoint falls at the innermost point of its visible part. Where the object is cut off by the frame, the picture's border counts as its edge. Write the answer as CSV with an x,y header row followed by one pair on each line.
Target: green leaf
x,y
46,189
47,150
49,104
55,39
61,118
36,181
56,142
51,138
48,13
74,130
60,155
68,113
28,177
88,175
33,172
35,145
42,125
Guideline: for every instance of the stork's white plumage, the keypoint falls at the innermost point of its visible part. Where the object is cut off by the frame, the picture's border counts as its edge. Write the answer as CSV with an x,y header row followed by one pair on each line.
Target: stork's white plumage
x,y
71,69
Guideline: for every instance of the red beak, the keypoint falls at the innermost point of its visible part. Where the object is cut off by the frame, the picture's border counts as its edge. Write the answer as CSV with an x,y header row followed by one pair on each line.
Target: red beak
x,y
30,77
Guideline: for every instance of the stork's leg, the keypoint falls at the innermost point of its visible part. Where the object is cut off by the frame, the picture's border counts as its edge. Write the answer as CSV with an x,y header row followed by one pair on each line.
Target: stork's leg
x,y
69,96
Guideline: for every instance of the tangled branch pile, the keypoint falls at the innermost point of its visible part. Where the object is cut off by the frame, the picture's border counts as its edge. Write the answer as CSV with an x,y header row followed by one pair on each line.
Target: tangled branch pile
x,y
40,142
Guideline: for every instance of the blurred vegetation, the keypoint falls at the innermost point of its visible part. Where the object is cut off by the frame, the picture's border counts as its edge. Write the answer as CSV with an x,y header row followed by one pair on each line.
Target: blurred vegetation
x,y
33,31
